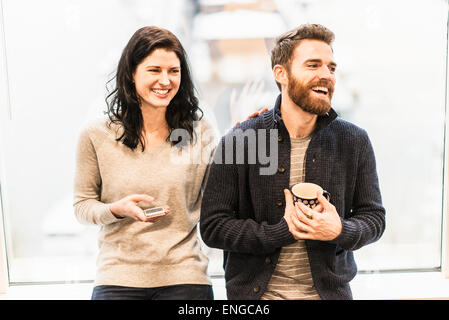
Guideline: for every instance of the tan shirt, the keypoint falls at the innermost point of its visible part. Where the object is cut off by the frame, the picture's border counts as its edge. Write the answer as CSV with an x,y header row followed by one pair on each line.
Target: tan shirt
x,y
134,253
292,278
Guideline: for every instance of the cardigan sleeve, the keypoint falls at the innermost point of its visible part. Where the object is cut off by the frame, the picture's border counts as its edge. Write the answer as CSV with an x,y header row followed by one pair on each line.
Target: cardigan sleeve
x,y
220,225
366,222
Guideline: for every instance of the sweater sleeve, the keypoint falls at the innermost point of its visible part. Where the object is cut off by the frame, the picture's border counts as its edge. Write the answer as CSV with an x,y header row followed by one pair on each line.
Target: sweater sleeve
x,y
87,185
208,141
221,225
366,222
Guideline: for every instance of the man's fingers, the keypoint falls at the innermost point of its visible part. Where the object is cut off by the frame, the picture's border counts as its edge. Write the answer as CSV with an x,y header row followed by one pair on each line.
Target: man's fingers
x,y
319,208
288,198
305,210
300,235
323,200
302,227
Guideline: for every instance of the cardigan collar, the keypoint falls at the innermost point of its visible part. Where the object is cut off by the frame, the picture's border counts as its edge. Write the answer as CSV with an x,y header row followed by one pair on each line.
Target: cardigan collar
x,y
273,117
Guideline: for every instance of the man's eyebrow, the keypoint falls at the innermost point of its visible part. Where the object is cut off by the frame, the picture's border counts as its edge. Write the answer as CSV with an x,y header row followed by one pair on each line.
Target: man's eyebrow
x,y
332,63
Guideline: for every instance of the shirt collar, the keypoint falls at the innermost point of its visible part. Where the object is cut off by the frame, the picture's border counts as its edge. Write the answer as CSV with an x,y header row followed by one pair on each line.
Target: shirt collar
x,y
274,118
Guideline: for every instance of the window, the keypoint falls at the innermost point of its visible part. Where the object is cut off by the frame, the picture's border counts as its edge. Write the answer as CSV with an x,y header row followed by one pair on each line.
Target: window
x,y
58,55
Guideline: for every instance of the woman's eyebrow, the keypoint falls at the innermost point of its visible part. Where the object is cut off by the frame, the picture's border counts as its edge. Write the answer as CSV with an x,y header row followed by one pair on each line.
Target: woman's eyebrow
x,y
174,67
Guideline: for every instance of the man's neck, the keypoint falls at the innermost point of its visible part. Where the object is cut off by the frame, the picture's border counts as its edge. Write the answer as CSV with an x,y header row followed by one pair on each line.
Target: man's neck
x,y
298,122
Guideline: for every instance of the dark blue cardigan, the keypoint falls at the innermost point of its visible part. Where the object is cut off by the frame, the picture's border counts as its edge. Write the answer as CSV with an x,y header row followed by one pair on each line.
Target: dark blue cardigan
x,y
242,211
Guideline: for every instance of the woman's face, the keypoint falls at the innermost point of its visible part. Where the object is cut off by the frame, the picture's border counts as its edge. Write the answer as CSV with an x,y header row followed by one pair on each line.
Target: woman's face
x,y
157,78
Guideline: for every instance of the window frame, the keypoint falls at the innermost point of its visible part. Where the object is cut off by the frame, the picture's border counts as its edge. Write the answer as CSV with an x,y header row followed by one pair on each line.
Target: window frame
x,y
445,218
4,278
4,102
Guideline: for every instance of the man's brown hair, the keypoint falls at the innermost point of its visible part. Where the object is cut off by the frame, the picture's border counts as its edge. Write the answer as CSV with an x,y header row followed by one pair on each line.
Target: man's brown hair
x,y
286,43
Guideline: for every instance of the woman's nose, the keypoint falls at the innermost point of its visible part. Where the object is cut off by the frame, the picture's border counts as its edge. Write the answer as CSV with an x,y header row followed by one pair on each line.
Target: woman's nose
x,y
163,79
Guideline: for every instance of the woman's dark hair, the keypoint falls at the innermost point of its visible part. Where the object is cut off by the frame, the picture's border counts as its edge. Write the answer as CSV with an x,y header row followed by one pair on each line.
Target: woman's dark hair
x,y
123,101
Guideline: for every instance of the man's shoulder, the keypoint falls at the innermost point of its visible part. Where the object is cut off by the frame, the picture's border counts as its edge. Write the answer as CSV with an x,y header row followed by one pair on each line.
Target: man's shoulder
x,y
346,133
347,128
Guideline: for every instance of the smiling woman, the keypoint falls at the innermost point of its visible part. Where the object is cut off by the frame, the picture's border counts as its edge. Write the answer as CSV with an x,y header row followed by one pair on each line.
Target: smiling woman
x,y
153,61
142,257
157,78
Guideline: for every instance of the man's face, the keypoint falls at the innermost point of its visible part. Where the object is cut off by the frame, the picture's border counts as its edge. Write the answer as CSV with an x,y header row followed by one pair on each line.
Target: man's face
x,y
311,78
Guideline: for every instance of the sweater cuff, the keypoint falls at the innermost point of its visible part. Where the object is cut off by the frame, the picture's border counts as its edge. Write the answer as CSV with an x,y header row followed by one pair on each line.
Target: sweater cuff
x,y
106,216
348,236
280,234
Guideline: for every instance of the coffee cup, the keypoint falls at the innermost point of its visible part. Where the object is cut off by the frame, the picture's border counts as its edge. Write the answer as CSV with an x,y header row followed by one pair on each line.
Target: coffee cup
x,y
306,192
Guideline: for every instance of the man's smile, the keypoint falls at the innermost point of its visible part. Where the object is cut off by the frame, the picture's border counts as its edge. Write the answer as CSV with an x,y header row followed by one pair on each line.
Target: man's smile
x,y
321,90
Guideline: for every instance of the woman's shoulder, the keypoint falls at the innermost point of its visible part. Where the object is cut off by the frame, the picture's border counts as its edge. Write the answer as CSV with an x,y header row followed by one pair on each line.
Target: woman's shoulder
x,y
207,128
205,123
98,128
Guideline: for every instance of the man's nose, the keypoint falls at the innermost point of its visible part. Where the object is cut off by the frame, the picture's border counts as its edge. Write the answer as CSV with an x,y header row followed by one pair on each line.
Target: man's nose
x,y
325,73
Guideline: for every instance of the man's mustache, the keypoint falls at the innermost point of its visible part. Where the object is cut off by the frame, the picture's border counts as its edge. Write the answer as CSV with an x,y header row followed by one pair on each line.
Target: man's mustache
x,y
322,83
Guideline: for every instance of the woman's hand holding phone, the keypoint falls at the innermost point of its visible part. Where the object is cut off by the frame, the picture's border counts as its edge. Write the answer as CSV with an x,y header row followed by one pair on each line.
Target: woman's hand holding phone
x,y
127,207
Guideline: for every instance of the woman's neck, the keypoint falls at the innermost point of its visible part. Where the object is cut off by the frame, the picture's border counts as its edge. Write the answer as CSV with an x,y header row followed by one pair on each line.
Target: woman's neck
x,y
153,119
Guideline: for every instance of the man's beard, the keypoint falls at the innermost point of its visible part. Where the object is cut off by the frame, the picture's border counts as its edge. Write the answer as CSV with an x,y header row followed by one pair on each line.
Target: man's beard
x,y
303,97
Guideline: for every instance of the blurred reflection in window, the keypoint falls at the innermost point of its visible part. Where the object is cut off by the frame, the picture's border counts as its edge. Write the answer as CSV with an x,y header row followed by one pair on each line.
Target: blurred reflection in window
x,y
390,81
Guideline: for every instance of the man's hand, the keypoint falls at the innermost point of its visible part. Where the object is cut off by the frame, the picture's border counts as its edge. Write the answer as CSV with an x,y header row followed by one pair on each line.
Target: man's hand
x,y
321,223
289,210
290,214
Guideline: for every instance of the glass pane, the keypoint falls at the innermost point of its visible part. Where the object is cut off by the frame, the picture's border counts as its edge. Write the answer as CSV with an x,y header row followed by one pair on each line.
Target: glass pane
x,y
60,55
390,81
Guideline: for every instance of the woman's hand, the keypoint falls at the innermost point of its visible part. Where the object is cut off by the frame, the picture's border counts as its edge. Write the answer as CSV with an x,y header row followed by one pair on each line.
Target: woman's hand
x,y
127,207
255,114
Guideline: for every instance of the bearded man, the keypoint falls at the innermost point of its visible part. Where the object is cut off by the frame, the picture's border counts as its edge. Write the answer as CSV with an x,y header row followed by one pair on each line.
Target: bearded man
x,y
273,248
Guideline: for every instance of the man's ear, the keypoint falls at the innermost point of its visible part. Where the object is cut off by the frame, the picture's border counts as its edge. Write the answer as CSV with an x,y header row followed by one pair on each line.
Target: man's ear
x,y
280,75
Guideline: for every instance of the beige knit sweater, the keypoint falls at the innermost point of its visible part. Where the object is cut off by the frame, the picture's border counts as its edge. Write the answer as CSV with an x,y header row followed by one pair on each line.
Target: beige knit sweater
x,y
134,253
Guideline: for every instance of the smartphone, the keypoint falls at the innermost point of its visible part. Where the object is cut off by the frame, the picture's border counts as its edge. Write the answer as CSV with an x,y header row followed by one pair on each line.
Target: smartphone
x,y
154,212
